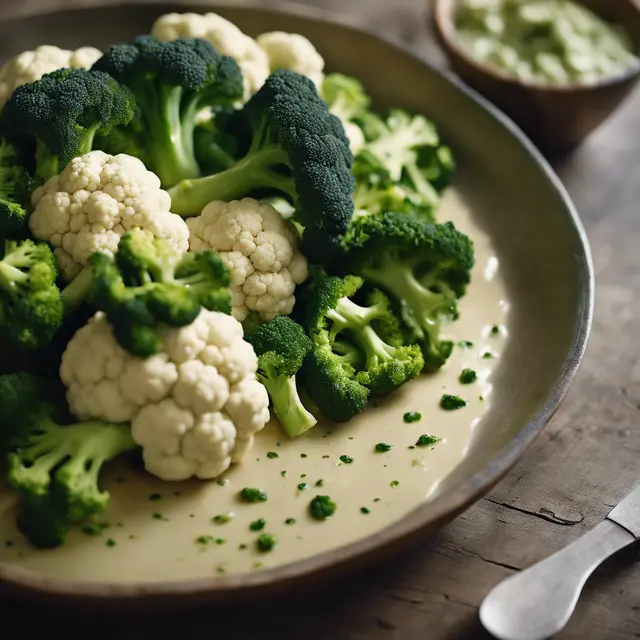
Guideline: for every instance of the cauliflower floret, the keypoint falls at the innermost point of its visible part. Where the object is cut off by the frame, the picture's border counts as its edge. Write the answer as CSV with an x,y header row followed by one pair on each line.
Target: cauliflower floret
x,y
194,408
30,66
94,201
354,135
224,36
259,248
293,51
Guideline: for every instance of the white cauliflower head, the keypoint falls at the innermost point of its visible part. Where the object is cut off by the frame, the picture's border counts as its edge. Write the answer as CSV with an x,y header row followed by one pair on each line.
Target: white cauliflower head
x,y
224,36
30,66
94,201
261,251
194,408
293,51
354,135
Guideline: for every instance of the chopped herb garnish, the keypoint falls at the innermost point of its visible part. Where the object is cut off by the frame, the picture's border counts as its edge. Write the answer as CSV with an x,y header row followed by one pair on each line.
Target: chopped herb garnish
x,y
9,544
290,521
487,355
272,454
481,398
220,541
223,518
283,474
111,542
346,459
159,516
176,493
451,403
220,569
92,529
411,446
495,330
468,376
192,515
303,486
257,525
322,507
426,440
395,483
253,495
266,542
303,455
303,475
465,344
155,496
205,540
376,499
222,482
326,456
383,447
365,510
320,482
412,416
242,546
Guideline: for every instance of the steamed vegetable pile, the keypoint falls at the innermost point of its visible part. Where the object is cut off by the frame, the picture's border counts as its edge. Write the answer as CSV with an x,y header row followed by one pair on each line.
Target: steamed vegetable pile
x,y
197,227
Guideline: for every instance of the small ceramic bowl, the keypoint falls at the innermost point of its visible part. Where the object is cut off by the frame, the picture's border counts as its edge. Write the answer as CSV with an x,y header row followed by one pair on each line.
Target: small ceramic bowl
x,y
556,117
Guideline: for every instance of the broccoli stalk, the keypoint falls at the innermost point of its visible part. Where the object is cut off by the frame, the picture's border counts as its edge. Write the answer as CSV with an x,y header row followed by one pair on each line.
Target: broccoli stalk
x,y
294,146
55,468
281,346
149,284
172,82
63,112
424,267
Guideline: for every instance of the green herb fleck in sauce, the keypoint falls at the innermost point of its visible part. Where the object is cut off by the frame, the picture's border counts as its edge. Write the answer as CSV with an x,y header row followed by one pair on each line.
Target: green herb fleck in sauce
x,y
94,528
487,355
272,454
111,542
465,344
266,542
223,518
303,455
412,416
9,544
322,507
383,447
155,496
249,494
319,483
495,330
468,376
242,547
290,521
451,403
365,510
222,482
303,486
394,483
346,459
159,516
426,440
205,541
283,474
257,525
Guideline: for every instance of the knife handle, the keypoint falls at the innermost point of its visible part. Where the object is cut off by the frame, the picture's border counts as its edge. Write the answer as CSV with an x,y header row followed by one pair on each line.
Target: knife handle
x,y
538,602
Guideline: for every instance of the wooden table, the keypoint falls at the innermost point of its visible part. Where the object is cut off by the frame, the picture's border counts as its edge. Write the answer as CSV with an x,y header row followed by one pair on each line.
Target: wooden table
x,y
583,463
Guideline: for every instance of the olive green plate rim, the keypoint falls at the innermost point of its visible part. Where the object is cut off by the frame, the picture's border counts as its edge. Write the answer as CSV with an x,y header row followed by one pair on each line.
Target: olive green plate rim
x,y
423,519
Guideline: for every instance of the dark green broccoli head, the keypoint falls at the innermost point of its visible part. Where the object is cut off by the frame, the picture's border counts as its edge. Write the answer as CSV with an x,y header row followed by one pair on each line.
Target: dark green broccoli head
x,y
281,346
31,306
62,112
332,316
55,468
149,284
292,144
16,186
172,81
424,267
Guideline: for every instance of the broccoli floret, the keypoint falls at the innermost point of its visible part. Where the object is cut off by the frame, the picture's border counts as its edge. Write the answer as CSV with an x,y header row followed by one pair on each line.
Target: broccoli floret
x,y
149,284
54,467
405,151
424,267
62,112
345,96
32,308
16,186
172,82
293,145
281,346
384,361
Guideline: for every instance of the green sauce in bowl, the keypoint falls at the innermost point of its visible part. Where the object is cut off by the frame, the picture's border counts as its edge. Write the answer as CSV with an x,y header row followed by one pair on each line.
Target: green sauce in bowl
x,y
546,41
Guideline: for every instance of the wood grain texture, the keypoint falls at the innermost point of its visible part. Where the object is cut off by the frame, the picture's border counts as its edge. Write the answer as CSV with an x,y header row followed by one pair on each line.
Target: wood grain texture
x,y
583,463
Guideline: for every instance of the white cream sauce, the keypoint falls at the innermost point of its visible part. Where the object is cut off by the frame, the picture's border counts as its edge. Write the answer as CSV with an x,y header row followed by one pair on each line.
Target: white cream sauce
x,y
150,548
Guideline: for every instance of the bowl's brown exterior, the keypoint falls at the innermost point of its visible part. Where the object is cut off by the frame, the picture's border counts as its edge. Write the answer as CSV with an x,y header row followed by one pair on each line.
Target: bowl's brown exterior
x,y
515,198
556,118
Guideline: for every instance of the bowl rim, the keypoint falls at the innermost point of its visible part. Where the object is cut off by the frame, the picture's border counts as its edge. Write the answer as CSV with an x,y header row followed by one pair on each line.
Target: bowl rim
x,y
442,17
414,524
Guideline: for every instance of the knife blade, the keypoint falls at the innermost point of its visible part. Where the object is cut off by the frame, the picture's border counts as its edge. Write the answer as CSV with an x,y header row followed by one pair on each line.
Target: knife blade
x,y
537,603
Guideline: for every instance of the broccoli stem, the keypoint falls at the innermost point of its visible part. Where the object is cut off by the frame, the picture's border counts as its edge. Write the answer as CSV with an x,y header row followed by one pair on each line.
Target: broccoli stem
x,y
422,308
74,294
422,186
350,316
254,171
287,405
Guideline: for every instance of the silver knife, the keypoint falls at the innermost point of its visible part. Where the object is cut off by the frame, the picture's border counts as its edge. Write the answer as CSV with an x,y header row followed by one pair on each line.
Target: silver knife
x,y
538,602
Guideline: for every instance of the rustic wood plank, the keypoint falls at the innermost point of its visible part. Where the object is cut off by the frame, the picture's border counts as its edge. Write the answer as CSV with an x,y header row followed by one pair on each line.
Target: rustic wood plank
x,y
583,463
